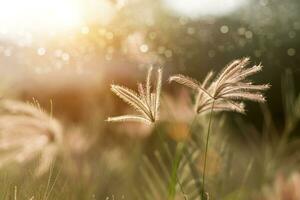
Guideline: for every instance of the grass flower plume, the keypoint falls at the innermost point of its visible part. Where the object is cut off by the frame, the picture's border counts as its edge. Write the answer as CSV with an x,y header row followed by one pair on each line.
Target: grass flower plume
x,y
226,91
27,132
145,101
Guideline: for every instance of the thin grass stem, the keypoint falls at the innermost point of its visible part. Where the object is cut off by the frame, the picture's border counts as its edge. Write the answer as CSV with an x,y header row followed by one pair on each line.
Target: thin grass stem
x,y
174,176
175,165
206,149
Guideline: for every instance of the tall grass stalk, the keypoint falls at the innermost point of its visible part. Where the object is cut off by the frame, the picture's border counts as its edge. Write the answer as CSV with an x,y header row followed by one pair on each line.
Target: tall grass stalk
x,y
174,179
206,149
174,176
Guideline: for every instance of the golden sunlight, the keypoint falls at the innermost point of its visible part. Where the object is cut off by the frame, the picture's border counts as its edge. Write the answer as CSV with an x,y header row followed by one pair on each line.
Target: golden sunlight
x,y
200,8
39,16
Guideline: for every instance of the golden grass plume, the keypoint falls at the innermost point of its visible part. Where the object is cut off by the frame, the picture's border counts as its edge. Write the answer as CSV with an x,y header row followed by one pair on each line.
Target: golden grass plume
x,y
226,91
145,101
28,132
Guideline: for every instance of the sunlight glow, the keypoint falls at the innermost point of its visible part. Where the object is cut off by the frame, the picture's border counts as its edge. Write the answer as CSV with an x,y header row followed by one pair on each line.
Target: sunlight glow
x,y
200,8
39,16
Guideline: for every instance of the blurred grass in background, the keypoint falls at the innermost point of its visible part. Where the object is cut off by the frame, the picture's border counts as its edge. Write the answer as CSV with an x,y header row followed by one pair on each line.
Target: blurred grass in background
x,y
69,52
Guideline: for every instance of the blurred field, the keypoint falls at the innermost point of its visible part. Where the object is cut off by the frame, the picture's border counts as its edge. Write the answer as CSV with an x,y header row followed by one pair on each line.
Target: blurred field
x,y
58,60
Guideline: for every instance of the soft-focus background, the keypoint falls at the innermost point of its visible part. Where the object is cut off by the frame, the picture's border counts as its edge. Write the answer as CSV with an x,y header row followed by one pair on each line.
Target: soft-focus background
x,y
66,53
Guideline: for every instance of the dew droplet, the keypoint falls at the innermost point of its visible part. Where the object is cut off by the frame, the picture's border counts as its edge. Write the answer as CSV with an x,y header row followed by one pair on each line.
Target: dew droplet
x,y
41,51
248,34
144,48
224,29
291,51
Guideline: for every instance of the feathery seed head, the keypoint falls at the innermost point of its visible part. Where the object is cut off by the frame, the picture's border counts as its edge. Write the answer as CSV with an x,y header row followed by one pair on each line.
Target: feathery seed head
x,y
145,102
228,87
26,132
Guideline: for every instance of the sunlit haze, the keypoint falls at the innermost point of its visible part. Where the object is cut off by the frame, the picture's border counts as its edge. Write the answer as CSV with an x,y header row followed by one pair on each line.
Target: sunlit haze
x,y
43,16
198,8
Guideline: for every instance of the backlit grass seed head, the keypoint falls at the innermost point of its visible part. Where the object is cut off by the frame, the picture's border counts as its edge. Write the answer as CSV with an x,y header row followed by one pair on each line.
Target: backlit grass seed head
x,y
145,102
27,132
227,90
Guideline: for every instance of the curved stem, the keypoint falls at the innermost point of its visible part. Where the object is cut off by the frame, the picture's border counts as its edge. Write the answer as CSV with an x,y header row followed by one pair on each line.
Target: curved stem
x,y
206,149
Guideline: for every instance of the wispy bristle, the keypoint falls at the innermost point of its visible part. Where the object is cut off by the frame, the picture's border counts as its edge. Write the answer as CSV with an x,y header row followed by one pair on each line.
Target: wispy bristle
x,y
227,87
26,130
184,80
207,79
146,103
142,93
189,82
158,91
129,118
248,72
130,97
153,105
148,84
245,96
231,70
